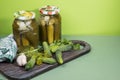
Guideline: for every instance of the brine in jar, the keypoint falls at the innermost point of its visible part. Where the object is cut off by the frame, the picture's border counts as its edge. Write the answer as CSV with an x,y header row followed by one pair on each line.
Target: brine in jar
x,y
25,30
50,24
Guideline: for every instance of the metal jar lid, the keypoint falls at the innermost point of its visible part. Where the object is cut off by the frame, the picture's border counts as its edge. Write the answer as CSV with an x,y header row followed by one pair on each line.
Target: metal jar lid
x,y
24,15
49,10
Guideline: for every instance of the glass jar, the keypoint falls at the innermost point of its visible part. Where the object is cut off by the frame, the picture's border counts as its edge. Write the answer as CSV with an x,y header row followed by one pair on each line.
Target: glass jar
x,y
50,24
25,30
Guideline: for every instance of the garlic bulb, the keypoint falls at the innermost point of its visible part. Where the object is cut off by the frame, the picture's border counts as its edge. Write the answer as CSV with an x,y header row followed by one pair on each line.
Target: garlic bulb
x,y
21,60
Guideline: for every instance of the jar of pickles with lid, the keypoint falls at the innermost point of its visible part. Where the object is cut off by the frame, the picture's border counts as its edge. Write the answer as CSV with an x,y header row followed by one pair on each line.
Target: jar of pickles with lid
x,y
50,24
25,30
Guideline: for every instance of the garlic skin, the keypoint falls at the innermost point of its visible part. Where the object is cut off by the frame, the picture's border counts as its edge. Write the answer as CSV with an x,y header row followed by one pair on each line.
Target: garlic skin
x,y
21,60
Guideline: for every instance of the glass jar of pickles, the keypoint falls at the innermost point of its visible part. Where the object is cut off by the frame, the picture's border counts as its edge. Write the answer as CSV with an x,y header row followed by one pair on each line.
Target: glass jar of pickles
x,y
50,24
25,30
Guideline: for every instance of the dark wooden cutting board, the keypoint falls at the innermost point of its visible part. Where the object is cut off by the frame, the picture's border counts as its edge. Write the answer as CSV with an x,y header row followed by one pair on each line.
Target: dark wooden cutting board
x,y
14,72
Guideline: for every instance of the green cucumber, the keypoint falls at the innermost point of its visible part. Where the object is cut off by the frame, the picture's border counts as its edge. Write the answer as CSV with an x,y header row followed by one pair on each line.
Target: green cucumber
x,y
48,60
59,57
30,64
46,49
65,47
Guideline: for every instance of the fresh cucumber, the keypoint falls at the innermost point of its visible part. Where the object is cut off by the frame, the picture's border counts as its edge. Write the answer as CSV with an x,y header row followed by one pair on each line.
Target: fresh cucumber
x,y
59,57
48,60
30,64
46,49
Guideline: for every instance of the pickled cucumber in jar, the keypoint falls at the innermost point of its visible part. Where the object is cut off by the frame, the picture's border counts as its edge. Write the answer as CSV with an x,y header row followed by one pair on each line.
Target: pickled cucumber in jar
x,y
50,24
25,30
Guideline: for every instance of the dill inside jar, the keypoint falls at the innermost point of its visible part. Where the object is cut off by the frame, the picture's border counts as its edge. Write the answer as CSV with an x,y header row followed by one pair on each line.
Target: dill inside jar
x,y
50,24
25,30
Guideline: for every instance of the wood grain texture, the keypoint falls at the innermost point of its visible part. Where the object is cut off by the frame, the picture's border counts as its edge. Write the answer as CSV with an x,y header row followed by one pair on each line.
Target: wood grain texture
x,y
14,72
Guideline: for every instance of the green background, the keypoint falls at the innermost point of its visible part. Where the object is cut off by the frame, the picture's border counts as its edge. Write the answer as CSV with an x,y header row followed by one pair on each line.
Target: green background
x,y
79,17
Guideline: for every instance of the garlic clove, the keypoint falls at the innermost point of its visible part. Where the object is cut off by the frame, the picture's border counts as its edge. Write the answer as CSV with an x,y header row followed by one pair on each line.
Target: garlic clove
x,y
21,60
24,62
